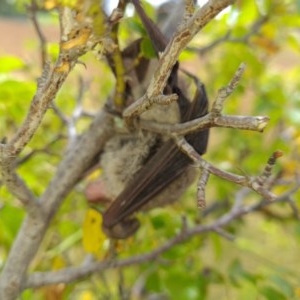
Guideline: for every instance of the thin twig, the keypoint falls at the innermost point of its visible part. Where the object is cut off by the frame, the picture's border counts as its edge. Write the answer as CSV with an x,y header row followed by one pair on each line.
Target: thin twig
x,y
267,172
294,207
33,9
257,123
224,234
214,118
247,181
15,184
70,122
201,187
227,37
226,91
45,149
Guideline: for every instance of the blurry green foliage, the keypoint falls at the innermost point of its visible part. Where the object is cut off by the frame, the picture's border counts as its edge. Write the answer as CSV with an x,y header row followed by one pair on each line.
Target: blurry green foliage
x,y
262,262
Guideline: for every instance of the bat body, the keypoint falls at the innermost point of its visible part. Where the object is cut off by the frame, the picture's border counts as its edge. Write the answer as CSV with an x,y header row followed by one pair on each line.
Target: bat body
x,y
142,169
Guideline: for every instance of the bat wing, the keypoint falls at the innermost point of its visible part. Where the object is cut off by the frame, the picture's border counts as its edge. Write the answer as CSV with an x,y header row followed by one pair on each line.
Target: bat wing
x,y
168,163
165,166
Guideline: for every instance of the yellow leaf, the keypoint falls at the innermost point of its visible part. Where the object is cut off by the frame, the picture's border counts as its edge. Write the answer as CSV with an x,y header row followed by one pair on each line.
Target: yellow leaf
x,y
86,295
265,43
93,236
50,4
58,263
94,174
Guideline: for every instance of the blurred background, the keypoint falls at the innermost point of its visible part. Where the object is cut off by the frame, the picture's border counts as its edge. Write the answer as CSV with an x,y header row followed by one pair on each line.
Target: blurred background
x,y
259,260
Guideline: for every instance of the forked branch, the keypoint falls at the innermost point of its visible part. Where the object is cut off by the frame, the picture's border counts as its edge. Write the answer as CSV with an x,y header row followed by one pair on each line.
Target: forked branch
x,y
72,274
169,57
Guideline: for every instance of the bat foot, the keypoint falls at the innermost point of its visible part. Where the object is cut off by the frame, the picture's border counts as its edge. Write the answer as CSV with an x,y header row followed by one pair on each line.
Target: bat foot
x,y
123,229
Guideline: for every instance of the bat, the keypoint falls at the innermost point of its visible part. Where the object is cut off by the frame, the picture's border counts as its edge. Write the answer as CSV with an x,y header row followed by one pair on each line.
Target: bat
x,y
144,168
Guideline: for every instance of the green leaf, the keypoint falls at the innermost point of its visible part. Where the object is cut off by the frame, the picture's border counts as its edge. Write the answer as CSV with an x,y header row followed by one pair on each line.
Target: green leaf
x,y
283,286
135,25
272,294
29,294
10,221
153,282
147,48
237,273
15,97
294,42
297,3
182,286
10,63
217,245
297,231
165,220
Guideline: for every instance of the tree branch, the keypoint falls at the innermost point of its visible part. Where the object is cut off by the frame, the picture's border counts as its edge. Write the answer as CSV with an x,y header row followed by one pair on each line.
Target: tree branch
x,y
71,274
75,41
32,230
214,118
169,57
253,30
253,183
33,9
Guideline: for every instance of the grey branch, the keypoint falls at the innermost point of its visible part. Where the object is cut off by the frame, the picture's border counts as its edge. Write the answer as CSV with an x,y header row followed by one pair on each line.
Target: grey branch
x,y
203,179
227,37
14,183
71,121
226,91
255,123
33,10
69,171
169,57
71,274
214,118
32,230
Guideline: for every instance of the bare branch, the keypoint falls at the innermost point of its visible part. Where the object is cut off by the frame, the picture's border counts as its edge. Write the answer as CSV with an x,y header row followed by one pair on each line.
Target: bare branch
x,y
294,207
70,122
14,183
48,86
225,92
33,9
253,30
257,123
203,179
45,149
250,182
38,108
32,231
224,234
212,119
169,57
261,180
75,41
71,274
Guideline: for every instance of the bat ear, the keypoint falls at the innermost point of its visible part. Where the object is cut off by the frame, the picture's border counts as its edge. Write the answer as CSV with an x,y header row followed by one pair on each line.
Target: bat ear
x,y
123,229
